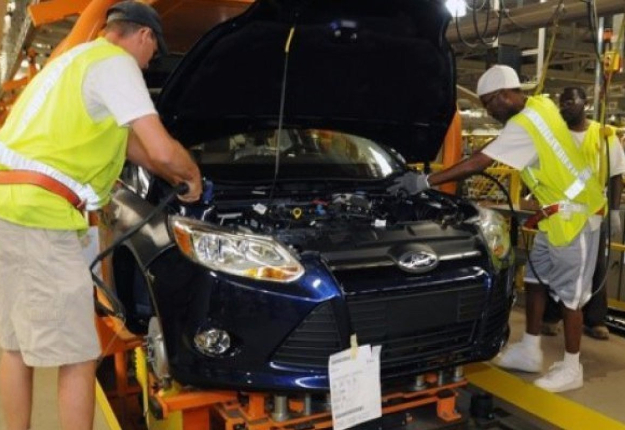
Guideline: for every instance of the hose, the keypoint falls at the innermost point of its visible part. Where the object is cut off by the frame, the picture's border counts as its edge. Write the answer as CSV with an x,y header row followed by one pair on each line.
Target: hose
x,y
116,308
514,224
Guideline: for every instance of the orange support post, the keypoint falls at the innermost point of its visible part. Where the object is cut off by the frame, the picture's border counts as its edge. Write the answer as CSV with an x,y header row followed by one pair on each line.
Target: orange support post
x,y
19,84
32,64
446,406
15,84
452,149
55,10
196,419
87,27
255,408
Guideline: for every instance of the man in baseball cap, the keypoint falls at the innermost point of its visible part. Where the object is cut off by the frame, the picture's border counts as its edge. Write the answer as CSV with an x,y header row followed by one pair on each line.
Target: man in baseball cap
x,y
68,136
139,13
536,141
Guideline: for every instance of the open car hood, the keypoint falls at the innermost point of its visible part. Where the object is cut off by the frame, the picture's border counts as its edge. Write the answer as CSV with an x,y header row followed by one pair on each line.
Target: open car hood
x,y
381,69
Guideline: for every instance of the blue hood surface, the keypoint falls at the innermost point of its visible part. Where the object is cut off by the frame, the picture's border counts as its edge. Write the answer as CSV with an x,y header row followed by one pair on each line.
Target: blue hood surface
x,y
379,69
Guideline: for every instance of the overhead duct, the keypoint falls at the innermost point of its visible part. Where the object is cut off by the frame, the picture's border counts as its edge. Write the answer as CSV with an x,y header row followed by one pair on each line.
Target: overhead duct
x,y
529,17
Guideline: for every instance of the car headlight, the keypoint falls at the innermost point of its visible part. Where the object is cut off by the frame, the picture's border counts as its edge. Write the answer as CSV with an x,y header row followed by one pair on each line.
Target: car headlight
x,y
495,230
255,257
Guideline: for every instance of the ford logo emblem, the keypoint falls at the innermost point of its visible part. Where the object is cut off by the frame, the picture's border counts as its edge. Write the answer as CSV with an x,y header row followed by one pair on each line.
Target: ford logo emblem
x,y
417,261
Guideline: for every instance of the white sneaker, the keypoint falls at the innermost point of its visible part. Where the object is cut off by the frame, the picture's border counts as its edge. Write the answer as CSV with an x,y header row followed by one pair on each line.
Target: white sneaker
x,y
518,356
561,378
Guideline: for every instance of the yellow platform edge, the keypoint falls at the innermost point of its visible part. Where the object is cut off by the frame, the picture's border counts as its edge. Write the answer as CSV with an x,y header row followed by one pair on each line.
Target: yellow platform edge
x,y
616,304
105,407
549,407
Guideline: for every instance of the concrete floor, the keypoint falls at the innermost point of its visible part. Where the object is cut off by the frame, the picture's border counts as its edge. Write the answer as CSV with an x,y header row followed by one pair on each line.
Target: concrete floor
x,y
604,368
45,416
604,376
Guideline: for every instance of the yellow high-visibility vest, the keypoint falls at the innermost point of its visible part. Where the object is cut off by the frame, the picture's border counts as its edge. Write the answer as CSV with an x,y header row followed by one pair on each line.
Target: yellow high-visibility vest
x,y
50,131
594,149
563,175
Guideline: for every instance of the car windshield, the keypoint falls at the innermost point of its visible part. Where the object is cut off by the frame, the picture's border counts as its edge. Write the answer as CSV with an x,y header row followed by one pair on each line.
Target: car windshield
x,y
303,154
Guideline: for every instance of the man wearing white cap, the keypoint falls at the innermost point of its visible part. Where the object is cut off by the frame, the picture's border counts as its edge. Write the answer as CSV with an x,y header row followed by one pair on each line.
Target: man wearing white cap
x,y
536,141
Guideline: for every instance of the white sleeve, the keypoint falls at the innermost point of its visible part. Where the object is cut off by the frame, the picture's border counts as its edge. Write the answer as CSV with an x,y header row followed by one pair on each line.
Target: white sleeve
x,y
513,147
617,157
115,86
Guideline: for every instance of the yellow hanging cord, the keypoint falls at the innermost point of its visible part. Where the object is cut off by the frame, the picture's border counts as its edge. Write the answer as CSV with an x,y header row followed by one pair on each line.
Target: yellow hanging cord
x,y
287,47
541,82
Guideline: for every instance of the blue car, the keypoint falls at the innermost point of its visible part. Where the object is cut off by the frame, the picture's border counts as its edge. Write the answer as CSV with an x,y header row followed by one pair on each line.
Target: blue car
x,y
301,115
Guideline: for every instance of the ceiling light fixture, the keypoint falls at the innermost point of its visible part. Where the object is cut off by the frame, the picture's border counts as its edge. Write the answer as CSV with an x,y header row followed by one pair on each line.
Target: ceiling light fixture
x,y
457,8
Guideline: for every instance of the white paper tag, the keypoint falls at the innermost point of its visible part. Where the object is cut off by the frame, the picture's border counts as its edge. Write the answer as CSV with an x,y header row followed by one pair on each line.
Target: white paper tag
x,y
379,223
355,389
260,208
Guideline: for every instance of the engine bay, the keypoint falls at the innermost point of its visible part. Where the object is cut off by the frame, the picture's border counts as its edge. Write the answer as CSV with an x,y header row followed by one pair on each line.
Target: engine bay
x,y
296,220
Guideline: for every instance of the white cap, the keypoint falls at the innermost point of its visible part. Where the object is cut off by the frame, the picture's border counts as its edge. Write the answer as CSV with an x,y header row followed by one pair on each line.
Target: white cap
x,y
498,77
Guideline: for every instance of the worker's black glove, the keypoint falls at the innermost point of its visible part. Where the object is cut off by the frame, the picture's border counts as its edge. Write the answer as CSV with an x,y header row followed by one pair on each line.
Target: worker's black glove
x,y
410,183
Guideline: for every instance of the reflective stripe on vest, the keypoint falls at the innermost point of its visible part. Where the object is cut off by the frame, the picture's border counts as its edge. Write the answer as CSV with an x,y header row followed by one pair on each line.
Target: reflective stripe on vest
x,y
581,177
40,97
18,162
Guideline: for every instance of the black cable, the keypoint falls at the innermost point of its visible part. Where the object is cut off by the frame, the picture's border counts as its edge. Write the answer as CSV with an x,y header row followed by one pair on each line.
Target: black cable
x,y
551,19
506,12
602,106
514,226
608,187
481,36
592,25
117,307
514,223
509,18
118,310
477,8
281,111
462,39
475,26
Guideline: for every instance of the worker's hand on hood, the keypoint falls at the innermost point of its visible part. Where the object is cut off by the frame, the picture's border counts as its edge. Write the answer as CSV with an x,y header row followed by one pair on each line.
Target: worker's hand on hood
x,y
410,183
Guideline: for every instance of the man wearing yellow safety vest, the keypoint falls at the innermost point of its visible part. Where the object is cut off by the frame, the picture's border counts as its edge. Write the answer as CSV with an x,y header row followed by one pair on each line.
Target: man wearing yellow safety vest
x,y
536,141
590,141
61,150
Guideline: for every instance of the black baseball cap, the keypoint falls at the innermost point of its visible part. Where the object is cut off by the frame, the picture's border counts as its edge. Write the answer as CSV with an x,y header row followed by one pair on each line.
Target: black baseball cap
x,y
139,13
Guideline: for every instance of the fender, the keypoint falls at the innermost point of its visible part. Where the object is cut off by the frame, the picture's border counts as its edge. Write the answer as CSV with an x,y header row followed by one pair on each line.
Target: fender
x,y
152,239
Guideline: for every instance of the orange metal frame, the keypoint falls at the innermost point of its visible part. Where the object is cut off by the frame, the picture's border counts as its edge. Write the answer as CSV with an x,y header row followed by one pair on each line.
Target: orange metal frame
x,y
452,150
224,409
91,18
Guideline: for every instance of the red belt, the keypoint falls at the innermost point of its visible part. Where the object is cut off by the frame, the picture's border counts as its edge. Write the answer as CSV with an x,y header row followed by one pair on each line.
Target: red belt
x,y
546,212
16,177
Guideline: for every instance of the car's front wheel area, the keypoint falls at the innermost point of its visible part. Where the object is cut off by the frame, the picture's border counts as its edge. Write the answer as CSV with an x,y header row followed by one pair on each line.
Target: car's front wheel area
x,y
131,286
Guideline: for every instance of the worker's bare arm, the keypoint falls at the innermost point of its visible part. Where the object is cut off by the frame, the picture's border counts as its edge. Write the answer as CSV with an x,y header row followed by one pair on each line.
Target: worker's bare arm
x,y
474,164
152,147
